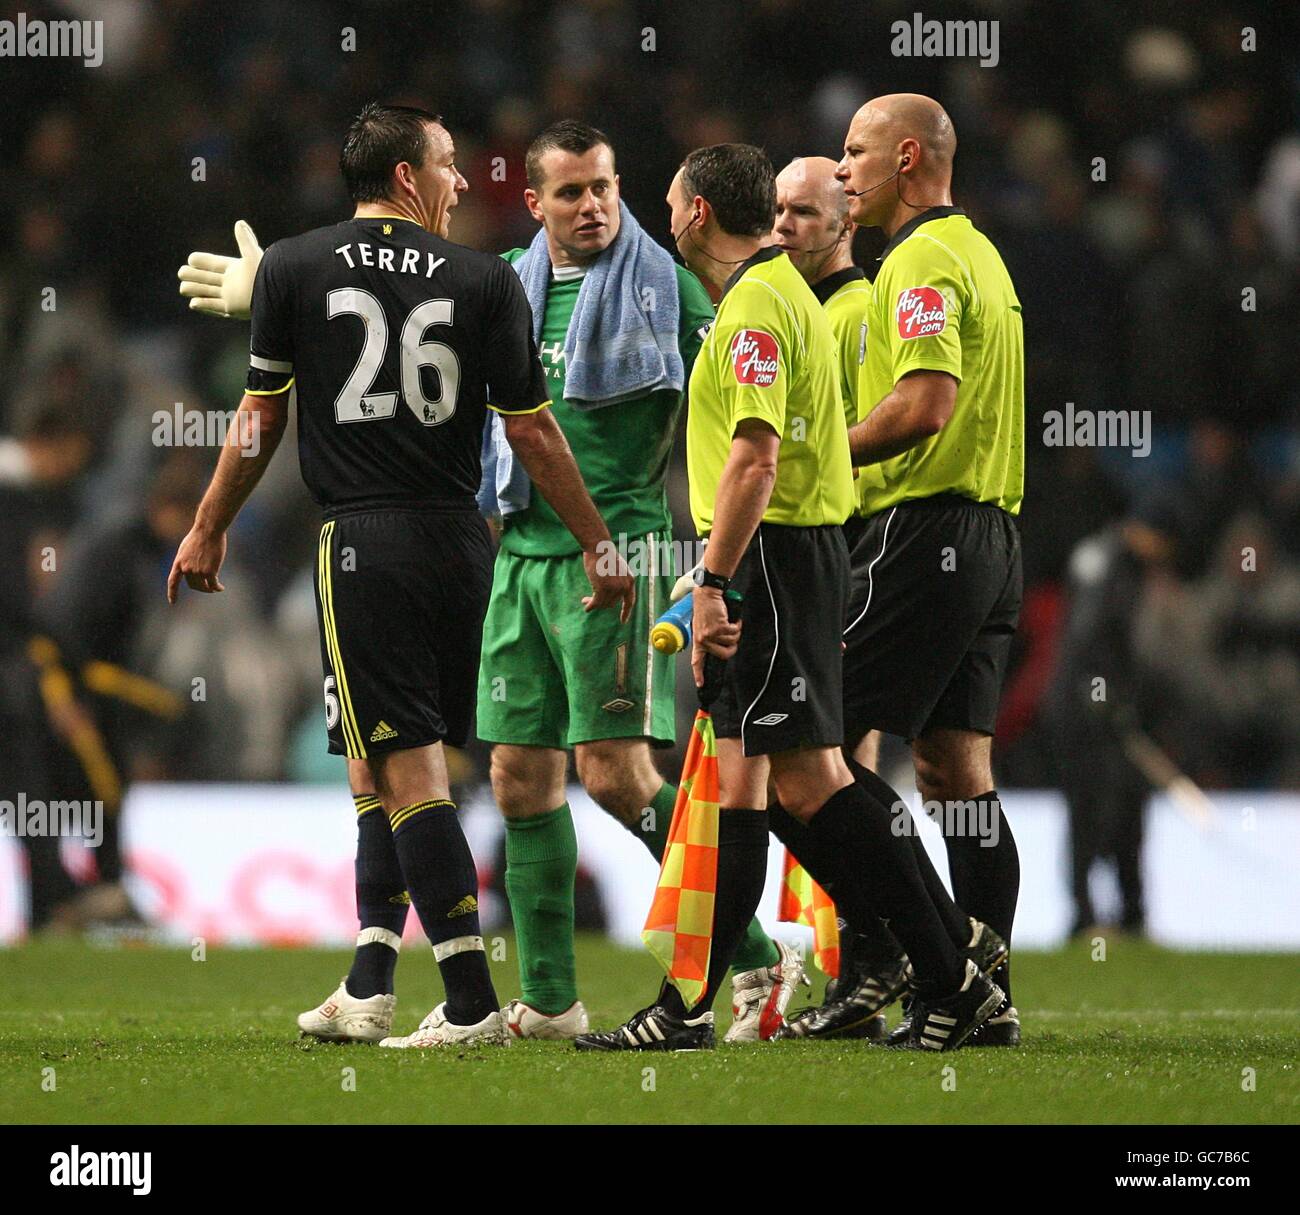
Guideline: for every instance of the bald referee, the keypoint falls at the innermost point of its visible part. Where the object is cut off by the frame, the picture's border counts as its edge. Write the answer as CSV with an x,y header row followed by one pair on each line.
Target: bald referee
x,y
814,231
939,444
814,228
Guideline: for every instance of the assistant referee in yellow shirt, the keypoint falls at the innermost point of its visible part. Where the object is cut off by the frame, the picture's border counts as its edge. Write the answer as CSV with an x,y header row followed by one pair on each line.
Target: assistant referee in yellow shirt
x,y
936,582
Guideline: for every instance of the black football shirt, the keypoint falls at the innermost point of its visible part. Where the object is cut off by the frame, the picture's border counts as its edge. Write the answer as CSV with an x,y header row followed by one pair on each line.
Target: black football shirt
x,y
398,341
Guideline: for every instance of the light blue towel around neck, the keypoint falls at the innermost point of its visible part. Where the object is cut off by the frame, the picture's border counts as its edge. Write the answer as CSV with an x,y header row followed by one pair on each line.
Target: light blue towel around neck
x,y
621,344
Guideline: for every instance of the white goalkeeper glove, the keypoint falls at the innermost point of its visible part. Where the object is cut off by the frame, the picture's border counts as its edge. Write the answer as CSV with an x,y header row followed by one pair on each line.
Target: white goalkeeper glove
x,y
223,286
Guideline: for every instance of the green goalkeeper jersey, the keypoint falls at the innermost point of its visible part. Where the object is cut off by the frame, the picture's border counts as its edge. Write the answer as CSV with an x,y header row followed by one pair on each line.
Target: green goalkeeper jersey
x,y
622,450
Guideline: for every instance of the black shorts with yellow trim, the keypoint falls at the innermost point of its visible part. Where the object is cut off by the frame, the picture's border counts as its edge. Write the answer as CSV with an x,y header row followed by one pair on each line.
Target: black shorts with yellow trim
x,y
782,687
400,599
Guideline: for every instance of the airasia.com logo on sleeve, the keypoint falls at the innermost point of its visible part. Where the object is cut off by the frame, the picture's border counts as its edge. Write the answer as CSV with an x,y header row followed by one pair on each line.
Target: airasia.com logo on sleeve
x,y
755,357
920,313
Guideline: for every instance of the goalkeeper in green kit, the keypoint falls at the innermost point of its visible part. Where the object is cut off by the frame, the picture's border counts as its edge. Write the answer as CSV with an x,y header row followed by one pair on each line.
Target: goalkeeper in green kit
x,y
618,326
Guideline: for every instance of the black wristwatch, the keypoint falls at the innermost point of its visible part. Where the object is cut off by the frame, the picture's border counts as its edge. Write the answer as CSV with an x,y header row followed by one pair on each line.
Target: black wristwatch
x,y
705,577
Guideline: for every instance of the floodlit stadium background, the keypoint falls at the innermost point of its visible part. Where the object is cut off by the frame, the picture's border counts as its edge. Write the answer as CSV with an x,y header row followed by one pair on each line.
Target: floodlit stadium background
x,y
1133,299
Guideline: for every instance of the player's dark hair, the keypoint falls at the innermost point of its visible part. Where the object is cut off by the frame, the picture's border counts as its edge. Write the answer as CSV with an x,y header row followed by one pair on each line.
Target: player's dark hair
x,y
737,180
379,139
568,135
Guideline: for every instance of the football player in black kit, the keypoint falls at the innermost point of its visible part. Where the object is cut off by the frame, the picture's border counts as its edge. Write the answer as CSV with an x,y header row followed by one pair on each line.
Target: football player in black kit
x,y
398,342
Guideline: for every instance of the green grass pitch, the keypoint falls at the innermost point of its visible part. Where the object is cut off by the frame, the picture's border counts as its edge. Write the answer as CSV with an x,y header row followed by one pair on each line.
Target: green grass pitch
x,y
149,1035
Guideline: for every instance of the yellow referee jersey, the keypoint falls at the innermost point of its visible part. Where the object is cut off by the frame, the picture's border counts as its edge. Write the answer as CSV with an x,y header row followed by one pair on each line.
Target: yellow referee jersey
x,y
771,355
943,301
845,296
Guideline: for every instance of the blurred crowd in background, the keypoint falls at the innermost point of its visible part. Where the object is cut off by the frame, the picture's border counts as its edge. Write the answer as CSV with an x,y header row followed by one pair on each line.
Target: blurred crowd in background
x,y
1136,167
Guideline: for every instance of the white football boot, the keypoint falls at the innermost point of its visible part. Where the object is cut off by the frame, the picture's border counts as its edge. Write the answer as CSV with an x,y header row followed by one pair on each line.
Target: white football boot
x,y
524,1021
436,1030
343,1018
760,997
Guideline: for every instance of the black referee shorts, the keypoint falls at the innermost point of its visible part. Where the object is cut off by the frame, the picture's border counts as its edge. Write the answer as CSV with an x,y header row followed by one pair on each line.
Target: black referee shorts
x,y
400,599
782,686
934,603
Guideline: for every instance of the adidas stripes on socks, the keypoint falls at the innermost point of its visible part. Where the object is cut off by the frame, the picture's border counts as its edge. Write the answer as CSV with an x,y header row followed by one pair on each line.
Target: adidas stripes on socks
x,y
443,883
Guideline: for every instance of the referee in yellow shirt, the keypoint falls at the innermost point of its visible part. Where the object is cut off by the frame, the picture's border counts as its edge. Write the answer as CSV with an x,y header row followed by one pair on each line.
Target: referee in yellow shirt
x,y
814,231
936,583
770,485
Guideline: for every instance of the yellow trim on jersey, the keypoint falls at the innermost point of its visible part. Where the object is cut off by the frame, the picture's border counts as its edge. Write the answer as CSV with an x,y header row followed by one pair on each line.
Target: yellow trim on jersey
x,y
352,742
270,392
406,219
518,413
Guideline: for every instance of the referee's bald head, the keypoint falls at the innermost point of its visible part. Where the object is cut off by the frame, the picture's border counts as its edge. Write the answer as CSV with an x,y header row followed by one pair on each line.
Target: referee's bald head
x,y
912,116
899,146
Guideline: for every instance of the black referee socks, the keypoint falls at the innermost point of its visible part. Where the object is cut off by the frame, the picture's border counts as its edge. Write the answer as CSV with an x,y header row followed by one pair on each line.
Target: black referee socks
x,y
986,880
864,940
382,902
954,917
443,884
875,874
742,874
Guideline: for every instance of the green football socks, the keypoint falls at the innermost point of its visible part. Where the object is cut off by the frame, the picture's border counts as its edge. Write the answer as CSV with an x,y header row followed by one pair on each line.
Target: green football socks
x,y
541,864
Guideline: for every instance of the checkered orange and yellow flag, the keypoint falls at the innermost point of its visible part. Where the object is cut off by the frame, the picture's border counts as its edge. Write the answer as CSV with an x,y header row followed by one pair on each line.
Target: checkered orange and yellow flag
x,y
805,902
679,929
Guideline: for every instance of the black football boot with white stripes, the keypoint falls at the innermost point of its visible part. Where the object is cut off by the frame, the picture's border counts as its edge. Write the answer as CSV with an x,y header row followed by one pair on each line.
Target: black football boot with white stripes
x,y
943,1023
854,1012
988,951
653,1028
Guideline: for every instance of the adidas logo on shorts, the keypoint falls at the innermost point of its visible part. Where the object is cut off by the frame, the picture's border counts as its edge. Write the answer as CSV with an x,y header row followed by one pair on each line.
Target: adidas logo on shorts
x,y
382,731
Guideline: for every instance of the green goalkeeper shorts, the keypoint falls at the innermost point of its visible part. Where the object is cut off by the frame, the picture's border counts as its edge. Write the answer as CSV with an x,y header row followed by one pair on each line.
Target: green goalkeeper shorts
x,y
554,675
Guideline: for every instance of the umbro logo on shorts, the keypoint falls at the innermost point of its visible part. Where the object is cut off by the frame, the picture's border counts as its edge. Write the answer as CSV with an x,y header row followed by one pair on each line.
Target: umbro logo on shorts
x,y
771,719
620,704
